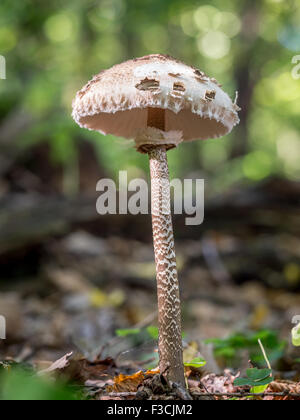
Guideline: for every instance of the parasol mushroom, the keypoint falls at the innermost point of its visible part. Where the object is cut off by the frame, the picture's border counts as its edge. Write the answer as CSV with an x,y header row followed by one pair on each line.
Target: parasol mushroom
x,y
160,102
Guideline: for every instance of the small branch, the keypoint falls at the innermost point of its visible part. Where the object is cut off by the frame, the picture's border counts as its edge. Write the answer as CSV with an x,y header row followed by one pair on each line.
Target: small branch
x,y
247,394
206,390
122,394
217,394
264,354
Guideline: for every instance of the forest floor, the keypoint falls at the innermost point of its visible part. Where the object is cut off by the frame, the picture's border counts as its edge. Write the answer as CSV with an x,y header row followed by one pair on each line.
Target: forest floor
x,y
91,309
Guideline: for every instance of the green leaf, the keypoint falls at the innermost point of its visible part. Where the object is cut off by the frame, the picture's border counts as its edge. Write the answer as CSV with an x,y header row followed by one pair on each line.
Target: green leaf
x,y
266,381
259,389
126,332
255,378
198,362
242,382
250,382
258,375
296,336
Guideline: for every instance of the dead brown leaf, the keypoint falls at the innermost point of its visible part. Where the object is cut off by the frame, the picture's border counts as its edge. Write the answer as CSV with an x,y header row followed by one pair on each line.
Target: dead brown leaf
x,y
58,365
285,387
219,383
127,383
130,383
83,370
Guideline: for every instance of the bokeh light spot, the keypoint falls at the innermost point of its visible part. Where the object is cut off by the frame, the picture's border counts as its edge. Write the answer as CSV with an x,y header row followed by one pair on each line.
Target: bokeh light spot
x,y
288,149
188,24
207,18
289,37
276,89
60,27
8,39
214,45
257,165
230,24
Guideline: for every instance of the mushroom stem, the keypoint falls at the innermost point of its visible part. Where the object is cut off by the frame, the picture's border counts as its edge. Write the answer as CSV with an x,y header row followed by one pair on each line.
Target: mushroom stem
x,y
169,310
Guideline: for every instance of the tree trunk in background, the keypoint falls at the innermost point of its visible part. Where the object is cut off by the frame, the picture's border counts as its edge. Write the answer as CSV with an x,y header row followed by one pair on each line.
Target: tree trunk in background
x,y
246,74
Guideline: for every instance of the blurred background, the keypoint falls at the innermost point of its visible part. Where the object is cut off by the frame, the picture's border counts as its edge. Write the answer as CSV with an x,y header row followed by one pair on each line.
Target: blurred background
x,y
70,278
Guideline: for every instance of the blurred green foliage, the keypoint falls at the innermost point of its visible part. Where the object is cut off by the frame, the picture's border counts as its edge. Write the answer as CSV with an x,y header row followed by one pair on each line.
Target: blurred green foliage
x,y
53,48
231,349
18,383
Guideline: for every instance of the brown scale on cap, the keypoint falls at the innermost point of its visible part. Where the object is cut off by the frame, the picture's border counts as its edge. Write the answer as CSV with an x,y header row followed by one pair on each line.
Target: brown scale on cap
x,y
210,95
148,84
174,74
179,87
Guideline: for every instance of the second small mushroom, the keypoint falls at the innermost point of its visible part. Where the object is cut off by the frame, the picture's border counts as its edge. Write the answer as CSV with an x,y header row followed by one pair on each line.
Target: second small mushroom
x,y
160,102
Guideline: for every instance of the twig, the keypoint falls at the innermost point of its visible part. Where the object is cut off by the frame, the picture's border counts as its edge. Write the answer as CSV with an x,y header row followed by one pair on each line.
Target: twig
x,y
264,354
246,394
219,394
122,394
204,386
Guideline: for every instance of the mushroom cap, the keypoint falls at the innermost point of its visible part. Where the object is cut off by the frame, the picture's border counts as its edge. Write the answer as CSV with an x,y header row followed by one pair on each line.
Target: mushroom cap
x,y
116,100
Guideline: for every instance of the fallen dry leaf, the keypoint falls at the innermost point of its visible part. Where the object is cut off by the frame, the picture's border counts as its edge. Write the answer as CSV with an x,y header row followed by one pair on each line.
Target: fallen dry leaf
x,y
130,383
58,365
83,370
127,383
284,386
219,384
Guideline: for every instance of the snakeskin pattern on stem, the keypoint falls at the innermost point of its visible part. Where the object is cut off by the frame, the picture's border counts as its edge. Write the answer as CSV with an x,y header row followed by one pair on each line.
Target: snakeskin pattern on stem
x,y
170,334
